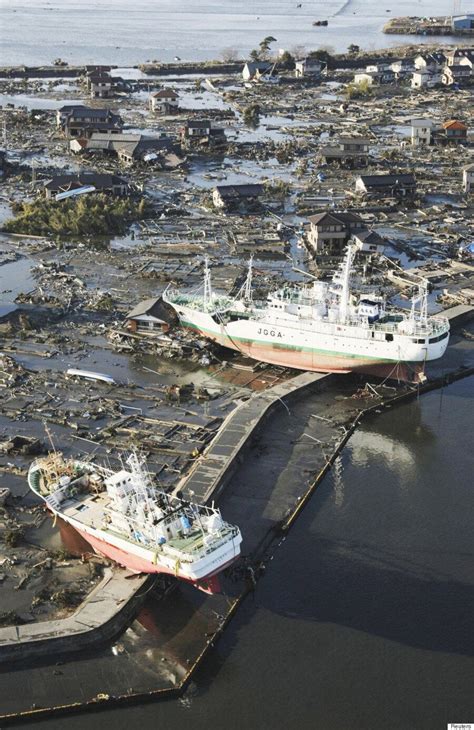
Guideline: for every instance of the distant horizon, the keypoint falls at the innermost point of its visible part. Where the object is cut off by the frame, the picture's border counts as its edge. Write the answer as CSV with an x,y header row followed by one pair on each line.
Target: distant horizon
x,y
36,32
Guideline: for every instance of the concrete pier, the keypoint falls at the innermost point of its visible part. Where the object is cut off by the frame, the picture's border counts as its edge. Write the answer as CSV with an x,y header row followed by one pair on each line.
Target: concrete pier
x,y
218,463
105,612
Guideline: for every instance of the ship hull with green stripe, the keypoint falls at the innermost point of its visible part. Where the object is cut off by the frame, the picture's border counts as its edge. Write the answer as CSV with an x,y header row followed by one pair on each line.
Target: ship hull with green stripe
x,y
314,345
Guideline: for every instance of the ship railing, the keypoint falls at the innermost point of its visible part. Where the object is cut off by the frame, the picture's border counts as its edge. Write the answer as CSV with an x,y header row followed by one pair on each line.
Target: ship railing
x,y
195,300
420,329
198,552
195,553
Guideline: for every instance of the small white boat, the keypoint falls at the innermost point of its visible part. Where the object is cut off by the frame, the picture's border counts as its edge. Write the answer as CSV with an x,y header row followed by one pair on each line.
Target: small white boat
x,y
91,375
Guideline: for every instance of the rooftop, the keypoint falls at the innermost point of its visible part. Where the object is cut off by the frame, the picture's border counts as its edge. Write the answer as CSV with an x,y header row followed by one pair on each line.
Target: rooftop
x,y
335,218
454,124
165,94
99,180
246,190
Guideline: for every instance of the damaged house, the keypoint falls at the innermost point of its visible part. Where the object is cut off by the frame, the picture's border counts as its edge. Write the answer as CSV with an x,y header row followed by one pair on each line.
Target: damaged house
x,y
237,196
347,152
329,232
255,69
201,131
458,75
150,317
368,241
398,185
132,148
451,132
308,67
164,101
93,181
83,121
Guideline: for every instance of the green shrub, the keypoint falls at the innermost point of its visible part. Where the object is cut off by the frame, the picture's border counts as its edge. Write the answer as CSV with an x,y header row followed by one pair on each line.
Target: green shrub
x,y
88,215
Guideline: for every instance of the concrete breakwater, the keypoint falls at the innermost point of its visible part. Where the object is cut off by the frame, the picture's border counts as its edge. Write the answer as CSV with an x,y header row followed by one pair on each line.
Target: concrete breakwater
x,y
441,25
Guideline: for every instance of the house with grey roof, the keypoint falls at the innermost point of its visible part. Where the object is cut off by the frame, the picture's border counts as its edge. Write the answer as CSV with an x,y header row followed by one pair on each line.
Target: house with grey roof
x,y
201,131
164,101
348,152
368,241
150,317
308,67
77,120
329,231
99,182
233,196
397,184
131,148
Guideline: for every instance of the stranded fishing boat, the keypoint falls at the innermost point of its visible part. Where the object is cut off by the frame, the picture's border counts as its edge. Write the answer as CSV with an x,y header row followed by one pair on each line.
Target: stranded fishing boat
x,y
322,327
125,518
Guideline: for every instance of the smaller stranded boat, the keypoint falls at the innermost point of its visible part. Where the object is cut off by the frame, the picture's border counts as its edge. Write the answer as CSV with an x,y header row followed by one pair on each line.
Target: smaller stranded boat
x,y
124,517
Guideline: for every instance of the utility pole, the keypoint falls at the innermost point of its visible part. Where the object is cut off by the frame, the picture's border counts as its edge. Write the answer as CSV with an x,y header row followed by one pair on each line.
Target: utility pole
x,y
33,174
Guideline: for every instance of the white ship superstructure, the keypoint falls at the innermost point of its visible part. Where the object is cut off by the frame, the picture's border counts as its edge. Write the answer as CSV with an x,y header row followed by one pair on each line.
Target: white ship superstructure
x,y
322,326
124,517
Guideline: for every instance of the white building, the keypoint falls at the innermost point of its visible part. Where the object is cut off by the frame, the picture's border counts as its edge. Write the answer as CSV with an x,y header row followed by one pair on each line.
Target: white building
x,y
425,79
368,242
365,77
421,131
307,67
249,71
164,101
468,179
430,61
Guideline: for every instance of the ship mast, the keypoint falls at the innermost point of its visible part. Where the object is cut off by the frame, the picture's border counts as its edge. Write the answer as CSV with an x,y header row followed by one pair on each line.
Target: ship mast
x,y
247,291
422,299
207,283
345,289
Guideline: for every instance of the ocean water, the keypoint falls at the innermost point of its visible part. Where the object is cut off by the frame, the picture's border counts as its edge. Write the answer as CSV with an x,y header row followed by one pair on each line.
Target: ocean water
x,y
124,32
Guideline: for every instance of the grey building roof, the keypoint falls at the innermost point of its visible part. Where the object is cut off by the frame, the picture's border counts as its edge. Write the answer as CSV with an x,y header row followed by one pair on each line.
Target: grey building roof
x,y
354,140
198,123
335,152
335,218
435,57
165,94
130,144
102,181
370,237
242,191
79,125
381,181
78,111
261,66
154,307
458,68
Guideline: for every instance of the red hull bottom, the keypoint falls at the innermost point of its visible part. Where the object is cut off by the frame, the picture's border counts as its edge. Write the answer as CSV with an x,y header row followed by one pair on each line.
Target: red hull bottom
x,y
210,584
321,363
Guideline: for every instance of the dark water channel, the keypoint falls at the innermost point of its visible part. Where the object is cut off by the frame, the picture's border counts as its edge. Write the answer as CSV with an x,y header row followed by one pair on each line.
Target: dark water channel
x,y
364,618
